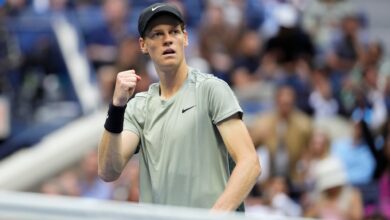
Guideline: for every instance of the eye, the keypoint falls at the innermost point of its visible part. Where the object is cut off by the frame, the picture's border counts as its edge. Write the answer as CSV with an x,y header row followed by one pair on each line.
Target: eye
x,y
156,34
175,31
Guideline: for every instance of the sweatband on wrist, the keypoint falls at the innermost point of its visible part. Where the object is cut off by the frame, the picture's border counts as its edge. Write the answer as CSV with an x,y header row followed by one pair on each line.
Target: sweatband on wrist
x,y
115,117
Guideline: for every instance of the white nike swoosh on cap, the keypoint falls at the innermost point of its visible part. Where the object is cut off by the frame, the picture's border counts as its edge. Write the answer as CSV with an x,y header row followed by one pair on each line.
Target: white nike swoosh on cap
x,y
158,6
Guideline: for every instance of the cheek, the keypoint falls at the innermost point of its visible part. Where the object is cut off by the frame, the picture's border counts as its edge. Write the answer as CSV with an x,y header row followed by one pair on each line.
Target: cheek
x,y
152,50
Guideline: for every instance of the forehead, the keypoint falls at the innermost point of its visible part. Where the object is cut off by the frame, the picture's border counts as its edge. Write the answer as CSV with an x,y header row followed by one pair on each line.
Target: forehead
x,y
162,19
285,91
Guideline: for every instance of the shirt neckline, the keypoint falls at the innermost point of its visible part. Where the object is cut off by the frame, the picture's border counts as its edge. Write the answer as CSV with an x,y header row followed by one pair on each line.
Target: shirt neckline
x,y
155,89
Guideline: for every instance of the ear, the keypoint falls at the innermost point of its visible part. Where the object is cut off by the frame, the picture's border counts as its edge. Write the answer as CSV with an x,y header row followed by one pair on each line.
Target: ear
x,y
185,38
142,45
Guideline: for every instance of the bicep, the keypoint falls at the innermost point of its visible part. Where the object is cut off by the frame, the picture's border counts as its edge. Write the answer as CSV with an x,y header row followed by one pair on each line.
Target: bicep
x,y
236,138
130,142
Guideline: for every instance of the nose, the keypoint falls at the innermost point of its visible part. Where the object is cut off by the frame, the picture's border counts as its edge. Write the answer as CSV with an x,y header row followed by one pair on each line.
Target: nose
x,y
167,39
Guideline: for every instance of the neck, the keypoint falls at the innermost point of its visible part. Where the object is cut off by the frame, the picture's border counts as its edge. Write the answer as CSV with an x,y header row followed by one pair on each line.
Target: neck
x,y
171,80
284,115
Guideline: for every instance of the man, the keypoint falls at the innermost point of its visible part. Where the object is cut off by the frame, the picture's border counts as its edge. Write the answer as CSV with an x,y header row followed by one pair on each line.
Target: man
x,y
185,127
284,131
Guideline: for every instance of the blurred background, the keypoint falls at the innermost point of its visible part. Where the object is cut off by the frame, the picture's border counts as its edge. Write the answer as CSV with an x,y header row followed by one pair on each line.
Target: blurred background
x,y
313,78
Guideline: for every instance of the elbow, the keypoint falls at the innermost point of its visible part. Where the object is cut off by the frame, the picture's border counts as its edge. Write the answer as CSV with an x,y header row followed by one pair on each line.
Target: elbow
x,y
106,175
257,167
252,166
106,178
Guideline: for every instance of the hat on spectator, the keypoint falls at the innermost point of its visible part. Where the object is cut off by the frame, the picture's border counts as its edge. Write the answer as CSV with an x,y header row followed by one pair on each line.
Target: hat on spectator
x,y
329,173
159,8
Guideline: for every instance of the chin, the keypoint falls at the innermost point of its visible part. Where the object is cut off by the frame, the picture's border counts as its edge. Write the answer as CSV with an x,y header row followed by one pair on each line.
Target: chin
x,y
169,63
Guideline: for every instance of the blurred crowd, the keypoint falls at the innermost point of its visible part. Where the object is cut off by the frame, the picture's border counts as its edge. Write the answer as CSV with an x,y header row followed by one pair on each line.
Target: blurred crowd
x,y
313,83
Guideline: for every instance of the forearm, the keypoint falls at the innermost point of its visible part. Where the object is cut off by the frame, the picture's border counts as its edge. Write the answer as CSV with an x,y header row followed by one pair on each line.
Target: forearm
x,y
117,146
111,162
241,181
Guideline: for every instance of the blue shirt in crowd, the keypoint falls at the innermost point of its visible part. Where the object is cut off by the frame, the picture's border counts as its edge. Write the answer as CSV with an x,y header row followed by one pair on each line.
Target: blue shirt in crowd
x,y
357,159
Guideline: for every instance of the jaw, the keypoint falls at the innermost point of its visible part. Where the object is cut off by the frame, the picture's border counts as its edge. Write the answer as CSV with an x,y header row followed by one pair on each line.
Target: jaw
x,y
167,60
171,64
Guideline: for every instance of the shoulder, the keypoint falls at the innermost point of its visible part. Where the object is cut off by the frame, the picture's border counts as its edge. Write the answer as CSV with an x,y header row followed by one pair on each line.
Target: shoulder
x,y
139,100
205,79
142,96
266,116
302,118
265,119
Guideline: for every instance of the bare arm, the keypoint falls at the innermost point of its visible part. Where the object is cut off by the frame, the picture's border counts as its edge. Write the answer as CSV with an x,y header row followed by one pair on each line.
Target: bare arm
x,y
115,149
114,152
244,176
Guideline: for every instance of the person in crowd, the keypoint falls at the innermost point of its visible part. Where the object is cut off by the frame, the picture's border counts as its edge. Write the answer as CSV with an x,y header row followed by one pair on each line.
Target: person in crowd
x,y
103,41
335,199
352,150
284,131
321,99
90,184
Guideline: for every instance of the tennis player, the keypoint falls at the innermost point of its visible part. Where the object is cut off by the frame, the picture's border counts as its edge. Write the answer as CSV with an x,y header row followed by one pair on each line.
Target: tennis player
x,y
194,148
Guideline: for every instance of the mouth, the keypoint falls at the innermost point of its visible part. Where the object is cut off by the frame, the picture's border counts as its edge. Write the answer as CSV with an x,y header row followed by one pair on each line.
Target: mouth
x,y
169,51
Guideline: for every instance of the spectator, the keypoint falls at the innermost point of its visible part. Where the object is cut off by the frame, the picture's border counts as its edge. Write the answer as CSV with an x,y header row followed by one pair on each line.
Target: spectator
x,y
65,184
247,59
335,200
126,188
352,151
284,131
130,57
370,103
217,47
275,200
290,47
318,150
90,183
384,181
103,41
379,205
290,42
375,56
106,76
15,8
349,42
321,99
321,18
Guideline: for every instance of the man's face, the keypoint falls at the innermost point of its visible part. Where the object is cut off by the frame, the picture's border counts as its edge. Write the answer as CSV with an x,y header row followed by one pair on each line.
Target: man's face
x,y
285,101
164,41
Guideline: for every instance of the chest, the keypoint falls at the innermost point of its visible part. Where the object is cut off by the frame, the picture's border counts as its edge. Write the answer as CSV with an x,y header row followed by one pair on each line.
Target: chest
x,y
174,123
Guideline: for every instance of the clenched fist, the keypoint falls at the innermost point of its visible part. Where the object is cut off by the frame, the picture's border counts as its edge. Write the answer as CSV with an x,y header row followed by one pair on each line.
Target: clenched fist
x,y
124,87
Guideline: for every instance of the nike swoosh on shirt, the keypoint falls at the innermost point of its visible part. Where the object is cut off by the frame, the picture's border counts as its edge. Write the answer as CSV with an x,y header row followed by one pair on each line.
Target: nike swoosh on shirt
x,y
158,6
186,109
